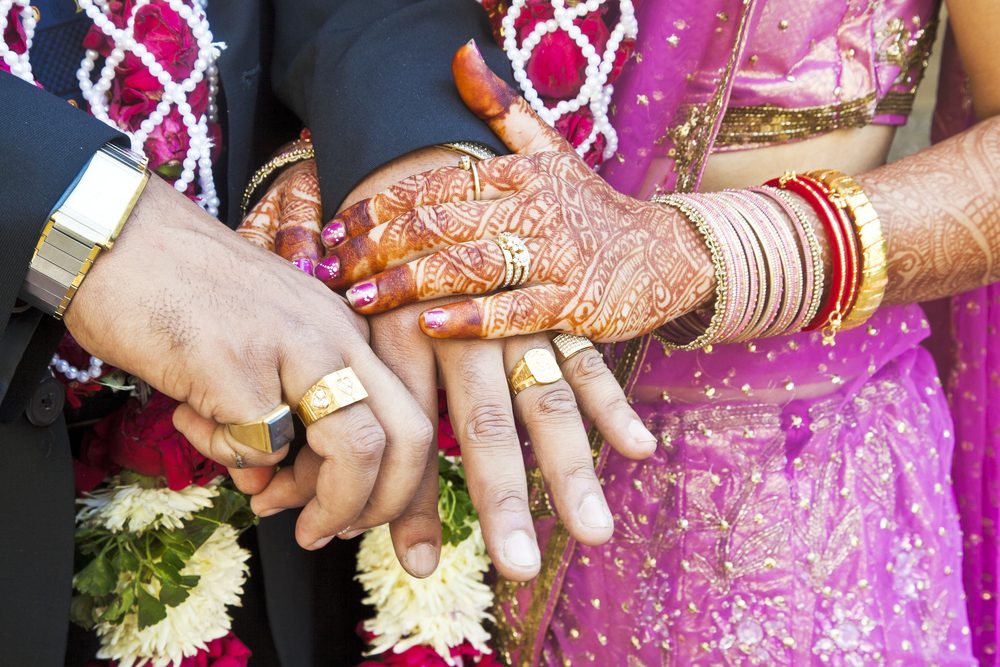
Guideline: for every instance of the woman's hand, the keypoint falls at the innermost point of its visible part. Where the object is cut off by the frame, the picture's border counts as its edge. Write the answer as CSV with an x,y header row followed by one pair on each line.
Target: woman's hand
x,y
603,265
474,373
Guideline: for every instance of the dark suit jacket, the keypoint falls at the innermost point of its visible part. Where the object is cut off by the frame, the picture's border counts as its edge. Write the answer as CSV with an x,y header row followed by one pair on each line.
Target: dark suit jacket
x,y
372,80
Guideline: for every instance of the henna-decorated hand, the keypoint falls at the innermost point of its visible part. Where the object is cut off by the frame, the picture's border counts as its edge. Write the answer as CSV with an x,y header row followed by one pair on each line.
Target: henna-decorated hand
x,y
287,219
603,265
474,374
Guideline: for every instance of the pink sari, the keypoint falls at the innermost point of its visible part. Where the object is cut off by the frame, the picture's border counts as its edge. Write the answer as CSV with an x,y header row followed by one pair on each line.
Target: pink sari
x,y
800,508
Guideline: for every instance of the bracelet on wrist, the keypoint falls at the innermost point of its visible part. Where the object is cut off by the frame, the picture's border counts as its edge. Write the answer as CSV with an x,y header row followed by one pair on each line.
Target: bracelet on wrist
x,y
298,151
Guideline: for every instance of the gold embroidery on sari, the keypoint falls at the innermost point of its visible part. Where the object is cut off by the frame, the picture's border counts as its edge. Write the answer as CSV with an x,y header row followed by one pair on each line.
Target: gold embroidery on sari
x,y
769,124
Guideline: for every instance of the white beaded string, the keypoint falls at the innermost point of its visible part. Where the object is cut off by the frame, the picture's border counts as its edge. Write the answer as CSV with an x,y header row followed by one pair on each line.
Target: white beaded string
x,y
18,63
197,163
595,91
71,372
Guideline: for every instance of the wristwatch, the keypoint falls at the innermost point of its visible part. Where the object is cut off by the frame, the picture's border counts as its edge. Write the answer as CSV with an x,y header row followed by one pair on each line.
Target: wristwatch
x,y
86,221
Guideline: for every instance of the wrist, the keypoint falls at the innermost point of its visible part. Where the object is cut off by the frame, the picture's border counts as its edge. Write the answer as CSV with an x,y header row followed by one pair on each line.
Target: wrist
x,y
85,224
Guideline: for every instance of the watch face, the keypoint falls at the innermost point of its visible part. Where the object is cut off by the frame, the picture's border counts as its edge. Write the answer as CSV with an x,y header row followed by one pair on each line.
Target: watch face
x,y
543,366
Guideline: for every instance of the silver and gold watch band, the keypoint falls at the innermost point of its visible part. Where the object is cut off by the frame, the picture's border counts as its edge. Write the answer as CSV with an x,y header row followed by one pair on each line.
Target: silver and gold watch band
x,y
87,221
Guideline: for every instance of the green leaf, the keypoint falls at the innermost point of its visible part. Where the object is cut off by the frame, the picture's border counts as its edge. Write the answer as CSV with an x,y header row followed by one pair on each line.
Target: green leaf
x,y
172,595
97,578
81,611
119,606
151,610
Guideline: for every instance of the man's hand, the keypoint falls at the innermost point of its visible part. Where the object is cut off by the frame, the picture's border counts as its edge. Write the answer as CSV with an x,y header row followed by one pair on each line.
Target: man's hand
x,y
231,331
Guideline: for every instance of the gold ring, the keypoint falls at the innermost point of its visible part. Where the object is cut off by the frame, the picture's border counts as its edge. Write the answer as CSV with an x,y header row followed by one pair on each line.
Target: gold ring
x,y
537,366
568,345
239,461
267,434
331,393
516,258
466,163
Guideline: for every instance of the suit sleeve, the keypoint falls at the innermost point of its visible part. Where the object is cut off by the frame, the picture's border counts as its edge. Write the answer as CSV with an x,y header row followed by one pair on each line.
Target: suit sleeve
x,y
44,143
372,79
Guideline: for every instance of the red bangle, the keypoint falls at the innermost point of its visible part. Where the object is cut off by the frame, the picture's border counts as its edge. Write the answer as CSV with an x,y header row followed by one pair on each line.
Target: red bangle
x,y
843,278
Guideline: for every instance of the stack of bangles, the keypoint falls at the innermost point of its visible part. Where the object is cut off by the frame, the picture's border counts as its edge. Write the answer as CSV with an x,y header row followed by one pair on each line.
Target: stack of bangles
x,y
768,260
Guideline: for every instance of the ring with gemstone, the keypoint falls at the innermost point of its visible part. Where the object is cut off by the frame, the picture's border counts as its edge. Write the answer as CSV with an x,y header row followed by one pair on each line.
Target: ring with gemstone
x,y
516,258
331,393
267,434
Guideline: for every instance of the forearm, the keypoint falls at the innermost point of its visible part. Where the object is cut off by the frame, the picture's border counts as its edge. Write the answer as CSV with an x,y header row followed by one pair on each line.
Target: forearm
x,y
940,211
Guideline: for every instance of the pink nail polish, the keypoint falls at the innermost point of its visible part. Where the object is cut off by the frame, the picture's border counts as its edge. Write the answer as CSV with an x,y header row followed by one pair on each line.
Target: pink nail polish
x,y
328,269
334,233
303,264
436,318
362,294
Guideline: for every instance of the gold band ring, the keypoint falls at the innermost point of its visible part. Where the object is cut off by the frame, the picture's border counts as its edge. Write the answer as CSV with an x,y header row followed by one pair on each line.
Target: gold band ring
x,y
568,345
331,393
537,366
516,257
267,434
468,164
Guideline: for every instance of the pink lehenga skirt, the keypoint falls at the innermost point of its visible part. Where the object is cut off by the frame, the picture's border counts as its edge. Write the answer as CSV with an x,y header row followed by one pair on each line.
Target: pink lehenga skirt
x,y
799,510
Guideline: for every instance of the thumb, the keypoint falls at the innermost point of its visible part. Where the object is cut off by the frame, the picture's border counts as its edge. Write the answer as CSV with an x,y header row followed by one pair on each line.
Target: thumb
x,y
507,113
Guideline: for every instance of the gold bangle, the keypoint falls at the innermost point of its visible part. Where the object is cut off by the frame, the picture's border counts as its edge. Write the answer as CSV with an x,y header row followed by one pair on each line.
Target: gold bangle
x,y
846,194
711,332
471,148
299,153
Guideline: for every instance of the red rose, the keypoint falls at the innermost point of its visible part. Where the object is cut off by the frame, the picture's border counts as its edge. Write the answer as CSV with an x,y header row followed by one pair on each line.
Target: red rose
x,y
94,464
226,651
576,127
168,37
143,439
13,35
557,67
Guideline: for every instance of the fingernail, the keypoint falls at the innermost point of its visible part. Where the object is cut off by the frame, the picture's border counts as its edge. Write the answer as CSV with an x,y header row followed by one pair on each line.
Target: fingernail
x,y
362,294
421,559
303,264
348,534
520,550
594,513
334,233
270,512
436,318
638,431
328,268
320,543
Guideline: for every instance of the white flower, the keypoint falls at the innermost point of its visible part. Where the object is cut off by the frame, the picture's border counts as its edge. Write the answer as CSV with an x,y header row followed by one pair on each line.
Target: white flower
x,y
441,611
188,627
130,507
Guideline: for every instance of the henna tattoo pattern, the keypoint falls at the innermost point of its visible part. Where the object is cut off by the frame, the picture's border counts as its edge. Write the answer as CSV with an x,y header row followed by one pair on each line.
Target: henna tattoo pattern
x,y
603,264
287,219
941,215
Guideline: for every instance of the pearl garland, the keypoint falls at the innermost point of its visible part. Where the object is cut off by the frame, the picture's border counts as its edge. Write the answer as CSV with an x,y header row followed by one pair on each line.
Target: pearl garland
x,y
80,375
197,163
595,92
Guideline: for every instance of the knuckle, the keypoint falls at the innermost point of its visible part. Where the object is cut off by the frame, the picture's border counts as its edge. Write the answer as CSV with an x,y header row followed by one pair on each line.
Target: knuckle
x,y
556,402
489,425
471,256
507,498
577,470
365,442
588,368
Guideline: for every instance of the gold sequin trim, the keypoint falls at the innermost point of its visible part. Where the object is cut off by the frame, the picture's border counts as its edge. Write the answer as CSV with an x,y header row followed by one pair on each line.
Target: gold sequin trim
x,y
769,124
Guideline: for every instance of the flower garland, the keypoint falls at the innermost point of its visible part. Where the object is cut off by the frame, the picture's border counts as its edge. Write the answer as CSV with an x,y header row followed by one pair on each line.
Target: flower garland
x,y
566,57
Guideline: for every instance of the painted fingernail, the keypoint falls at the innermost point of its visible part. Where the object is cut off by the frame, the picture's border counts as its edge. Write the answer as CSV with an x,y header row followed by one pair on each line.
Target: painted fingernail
x,y
594,513
303,264
362,294
334,233
328,268
435,318
421,559
270,512
320,543
637,430
520,550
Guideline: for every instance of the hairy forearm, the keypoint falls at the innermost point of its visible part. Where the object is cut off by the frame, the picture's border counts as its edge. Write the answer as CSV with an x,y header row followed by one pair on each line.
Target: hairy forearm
x,y
940,211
